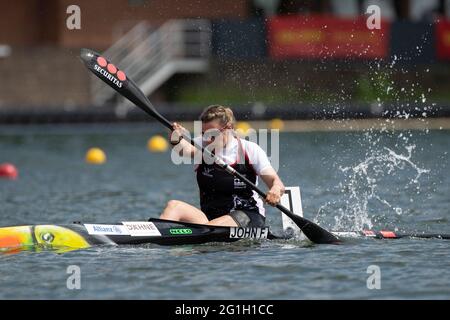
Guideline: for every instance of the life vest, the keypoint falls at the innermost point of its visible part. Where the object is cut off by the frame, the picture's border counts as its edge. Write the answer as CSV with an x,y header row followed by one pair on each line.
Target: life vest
x,y
220,192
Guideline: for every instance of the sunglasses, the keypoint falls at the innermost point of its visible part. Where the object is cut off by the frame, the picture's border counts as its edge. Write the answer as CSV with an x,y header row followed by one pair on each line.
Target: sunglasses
x,y
211,134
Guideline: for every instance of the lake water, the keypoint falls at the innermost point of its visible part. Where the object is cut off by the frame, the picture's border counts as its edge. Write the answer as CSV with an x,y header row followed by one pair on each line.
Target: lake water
x,y
349,181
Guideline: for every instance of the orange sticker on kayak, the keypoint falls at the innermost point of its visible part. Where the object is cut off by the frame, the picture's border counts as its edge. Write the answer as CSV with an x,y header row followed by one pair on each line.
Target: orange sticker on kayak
x,y
388,234
10,241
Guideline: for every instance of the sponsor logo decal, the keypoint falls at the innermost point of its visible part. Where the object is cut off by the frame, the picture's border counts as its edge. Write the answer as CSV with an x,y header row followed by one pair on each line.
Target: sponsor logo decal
x,y
181,231
111,73
102,62
140,229
207,171
249,233
238,184
106,229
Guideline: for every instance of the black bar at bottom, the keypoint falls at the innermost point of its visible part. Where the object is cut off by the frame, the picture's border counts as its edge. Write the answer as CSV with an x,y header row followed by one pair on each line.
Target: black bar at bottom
x,y
219,309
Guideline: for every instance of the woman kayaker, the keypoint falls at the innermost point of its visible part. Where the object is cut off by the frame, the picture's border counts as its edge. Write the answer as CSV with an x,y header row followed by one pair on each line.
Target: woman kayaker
x,y
224,199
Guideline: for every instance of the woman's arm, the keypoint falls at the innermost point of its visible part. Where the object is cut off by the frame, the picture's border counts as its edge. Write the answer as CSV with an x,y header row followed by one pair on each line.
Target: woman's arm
x,y
275,185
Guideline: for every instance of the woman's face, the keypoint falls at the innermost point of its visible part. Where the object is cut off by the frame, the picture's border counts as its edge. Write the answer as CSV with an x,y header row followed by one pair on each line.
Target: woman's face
x,y
214,131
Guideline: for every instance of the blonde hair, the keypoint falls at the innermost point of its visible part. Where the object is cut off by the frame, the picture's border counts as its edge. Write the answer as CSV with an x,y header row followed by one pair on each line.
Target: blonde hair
x,y
217,112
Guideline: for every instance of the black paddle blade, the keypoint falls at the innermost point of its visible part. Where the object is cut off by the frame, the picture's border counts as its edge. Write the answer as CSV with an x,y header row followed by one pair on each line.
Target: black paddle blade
x,y
118,80
314,232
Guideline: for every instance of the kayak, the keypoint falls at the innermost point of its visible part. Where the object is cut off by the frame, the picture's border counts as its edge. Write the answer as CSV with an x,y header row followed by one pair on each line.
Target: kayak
x,y
153,231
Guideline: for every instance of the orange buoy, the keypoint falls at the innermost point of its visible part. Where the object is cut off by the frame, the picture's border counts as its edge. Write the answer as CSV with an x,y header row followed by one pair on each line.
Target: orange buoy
x,y
8,171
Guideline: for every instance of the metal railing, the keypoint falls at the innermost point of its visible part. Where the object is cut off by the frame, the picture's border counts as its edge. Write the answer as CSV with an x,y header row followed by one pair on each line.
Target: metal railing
x,y
151,56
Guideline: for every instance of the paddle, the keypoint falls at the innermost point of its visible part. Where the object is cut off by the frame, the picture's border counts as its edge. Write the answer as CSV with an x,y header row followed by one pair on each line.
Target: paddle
x,y
126,87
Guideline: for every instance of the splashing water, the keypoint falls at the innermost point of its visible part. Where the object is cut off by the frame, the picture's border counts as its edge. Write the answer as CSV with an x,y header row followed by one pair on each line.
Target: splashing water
x,y
366,185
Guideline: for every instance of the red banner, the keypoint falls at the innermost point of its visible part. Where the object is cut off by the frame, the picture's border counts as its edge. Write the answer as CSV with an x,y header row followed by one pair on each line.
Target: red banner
x,y
443,39
326,37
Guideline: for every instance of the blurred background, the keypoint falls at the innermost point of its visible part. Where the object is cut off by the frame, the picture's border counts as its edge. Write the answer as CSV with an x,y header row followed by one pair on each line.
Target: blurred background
x,y
284,58
293,65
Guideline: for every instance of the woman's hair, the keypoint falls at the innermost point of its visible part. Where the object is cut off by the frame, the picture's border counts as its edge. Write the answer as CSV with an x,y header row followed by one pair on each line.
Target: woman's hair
x,y
217,112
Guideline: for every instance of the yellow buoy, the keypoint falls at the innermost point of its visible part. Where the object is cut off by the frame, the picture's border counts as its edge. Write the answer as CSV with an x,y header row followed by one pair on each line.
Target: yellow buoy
x,y
95,156
157,144
242,127
277,124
